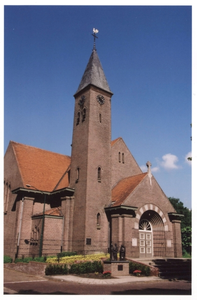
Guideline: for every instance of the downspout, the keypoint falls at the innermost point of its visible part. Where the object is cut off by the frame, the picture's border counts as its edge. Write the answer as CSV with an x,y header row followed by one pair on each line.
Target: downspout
x,y
62,234
20,225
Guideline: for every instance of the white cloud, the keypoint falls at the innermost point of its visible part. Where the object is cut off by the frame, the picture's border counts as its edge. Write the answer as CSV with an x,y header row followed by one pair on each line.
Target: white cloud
x,y
155,169
189,154
170,161
143,168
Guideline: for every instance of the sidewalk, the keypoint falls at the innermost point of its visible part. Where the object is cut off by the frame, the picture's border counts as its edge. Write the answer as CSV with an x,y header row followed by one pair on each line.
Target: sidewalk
x,y
117,280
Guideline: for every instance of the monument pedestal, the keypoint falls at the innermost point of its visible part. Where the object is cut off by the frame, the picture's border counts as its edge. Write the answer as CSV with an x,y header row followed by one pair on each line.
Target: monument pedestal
x,y
117,268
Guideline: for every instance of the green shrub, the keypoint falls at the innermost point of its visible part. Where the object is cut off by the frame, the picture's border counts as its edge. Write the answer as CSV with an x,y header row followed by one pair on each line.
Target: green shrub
x,y
62,254
39,259
56,270
74,269
28,259
86,267
135,266
25,259
7,259
97,267
81,268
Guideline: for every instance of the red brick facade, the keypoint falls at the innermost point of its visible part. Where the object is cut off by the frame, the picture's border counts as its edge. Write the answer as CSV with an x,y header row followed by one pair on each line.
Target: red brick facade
x,y
96,197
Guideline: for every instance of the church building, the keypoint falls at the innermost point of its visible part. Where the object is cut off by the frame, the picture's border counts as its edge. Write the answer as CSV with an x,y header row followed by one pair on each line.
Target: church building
x,y
97,197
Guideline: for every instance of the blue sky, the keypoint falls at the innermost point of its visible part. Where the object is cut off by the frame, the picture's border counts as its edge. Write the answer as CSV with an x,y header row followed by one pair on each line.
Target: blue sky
x,y
145,52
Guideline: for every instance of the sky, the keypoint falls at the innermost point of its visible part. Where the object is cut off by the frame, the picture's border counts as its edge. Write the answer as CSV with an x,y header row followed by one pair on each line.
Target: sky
x,y
145,52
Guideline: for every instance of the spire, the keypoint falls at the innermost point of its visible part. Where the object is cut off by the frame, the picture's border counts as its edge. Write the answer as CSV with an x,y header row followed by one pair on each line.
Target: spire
x,y
94,73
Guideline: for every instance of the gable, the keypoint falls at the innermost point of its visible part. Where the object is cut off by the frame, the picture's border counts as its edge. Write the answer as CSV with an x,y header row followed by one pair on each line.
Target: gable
x,y
125,187
11,170
123,162
41,169
149,192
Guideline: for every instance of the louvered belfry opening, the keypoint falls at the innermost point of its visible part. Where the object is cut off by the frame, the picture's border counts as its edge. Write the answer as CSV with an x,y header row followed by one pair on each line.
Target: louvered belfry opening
x,y
152,235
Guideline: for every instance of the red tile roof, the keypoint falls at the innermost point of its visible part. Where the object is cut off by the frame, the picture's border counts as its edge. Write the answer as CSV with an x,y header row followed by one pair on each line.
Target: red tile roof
x,y
51,212
114,141
42,169
125,187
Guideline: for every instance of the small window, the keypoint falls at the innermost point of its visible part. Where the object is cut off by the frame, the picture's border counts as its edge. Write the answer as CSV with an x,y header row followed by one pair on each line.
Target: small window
x,y
123,158
78,118
120,267
99,174
88,241
77,175
69,177
100,118
119,157
98,219
84,114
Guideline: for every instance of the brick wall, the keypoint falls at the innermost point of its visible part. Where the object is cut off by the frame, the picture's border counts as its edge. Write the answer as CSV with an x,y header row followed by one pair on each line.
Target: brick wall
x,y
122,170
90,151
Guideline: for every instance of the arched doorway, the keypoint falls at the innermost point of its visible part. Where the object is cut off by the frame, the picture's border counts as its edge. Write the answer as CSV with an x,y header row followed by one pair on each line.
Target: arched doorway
x,y
151,235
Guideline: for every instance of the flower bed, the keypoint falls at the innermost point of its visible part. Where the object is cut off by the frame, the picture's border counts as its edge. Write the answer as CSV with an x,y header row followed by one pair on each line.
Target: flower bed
x,y
77,258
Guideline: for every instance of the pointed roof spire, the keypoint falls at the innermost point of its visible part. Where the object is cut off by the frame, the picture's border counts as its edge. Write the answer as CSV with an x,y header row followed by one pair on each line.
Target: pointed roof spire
x,y
94,73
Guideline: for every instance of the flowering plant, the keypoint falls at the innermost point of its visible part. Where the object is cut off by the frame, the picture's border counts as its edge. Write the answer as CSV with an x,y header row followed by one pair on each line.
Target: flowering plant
x,y
137,272
106,273
78,258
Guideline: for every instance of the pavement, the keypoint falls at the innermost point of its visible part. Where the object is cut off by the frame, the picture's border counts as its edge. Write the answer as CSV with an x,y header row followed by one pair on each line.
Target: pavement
x,y
17,282
13,276
116,280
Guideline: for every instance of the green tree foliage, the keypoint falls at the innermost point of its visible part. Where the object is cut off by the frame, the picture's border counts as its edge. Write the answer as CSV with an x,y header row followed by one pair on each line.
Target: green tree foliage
x,y
186,221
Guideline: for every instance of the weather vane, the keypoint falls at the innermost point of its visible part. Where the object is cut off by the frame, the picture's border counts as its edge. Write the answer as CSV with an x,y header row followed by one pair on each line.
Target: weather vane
x,y
94,35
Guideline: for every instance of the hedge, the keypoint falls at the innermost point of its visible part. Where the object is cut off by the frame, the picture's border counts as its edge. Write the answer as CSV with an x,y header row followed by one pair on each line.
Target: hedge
x,y
135,266
81,268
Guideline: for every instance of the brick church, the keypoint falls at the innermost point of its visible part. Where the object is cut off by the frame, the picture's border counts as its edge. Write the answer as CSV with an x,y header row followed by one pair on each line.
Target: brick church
x,y
85,202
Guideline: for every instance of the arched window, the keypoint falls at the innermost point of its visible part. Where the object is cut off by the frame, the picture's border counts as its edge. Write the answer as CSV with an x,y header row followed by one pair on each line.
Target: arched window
x,y
77,175
123,158
119,157
100,118
78,118
98,219
99,174
84,114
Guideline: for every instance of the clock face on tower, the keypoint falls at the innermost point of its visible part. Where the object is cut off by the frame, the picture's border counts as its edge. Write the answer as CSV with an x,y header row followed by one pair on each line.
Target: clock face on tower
x,y
100,99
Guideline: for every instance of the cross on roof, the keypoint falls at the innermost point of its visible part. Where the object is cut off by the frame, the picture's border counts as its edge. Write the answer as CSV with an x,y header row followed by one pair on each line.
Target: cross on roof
x,y
148,164
95,37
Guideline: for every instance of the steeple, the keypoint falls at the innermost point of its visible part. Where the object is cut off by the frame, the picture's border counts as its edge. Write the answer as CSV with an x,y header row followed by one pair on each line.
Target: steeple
x,y
94,74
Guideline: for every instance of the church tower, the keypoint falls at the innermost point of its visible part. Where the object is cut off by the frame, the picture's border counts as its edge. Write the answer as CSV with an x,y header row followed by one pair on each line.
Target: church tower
x,y
90,159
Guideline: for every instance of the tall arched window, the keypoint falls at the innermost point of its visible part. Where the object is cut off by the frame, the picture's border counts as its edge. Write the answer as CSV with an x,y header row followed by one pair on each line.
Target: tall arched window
x,y
99,174
84,114
77,175
98,219
119,157
100,118
123,158
78,118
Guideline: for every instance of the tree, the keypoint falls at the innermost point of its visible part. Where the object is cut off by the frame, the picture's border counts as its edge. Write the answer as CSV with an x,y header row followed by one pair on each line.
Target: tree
x,y
181,209
186,230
